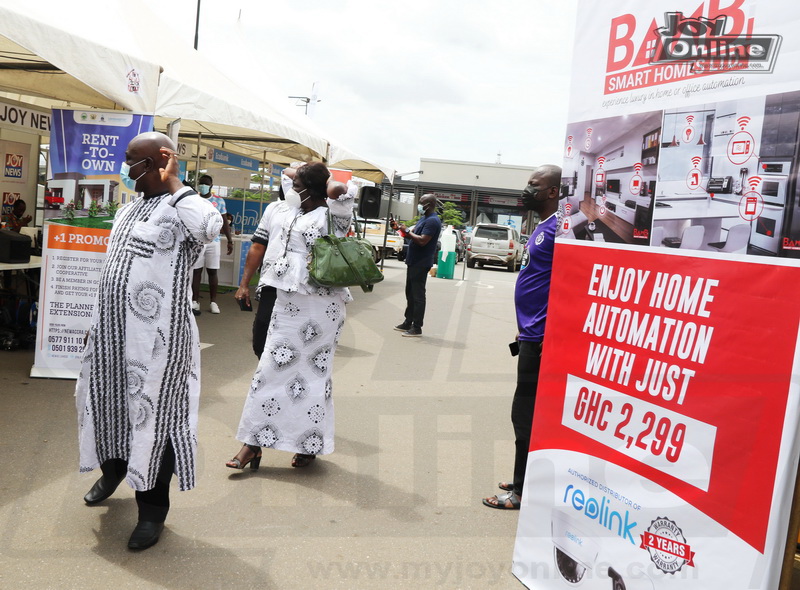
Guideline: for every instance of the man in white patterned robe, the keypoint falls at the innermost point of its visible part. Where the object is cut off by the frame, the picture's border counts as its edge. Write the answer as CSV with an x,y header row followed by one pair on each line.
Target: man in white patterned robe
x,y
138,391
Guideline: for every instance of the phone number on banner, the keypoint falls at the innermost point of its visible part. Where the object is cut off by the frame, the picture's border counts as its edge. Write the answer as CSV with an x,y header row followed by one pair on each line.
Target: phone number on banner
x,y
665,440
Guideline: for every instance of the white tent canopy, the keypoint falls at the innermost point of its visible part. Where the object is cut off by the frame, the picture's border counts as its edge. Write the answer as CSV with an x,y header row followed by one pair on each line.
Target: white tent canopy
x,y
45,53
80,55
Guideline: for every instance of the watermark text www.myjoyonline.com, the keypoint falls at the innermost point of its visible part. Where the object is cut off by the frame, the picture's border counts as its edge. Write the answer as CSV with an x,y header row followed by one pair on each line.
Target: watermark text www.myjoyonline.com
x,y
440,573
430,572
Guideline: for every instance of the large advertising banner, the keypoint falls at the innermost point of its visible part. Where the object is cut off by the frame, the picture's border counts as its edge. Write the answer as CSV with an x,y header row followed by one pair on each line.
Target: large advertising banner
x,y
71,261
87,149
683,126
664,447
661,452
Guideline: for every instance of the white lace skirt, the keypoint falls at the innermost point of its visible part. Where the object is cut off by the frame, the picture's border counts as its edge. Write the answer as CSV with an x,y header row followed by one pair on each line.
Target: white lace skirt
x,y
290,404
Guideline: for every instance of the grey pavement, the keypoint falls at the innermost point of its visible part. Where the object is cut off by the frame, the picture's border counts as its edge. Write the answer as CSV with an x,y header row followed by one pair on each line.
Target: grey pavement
x,y
422,434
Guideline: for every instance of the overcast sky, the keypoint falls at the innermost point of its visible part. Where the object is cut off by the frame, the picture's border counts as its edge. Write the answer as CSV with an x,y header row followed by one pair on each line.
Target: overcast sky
x,y
400,81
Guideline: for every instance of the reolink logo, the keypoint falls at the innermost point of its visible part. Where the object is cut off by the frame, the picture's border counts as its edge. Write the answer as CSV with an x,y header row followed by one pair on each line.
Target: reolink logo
x,y
601,512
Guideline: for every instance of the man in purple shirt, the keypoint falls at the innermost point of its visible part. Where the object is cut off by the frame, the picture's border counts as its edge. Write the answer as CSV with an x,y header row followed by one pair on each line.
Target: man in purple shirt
x,y
530,299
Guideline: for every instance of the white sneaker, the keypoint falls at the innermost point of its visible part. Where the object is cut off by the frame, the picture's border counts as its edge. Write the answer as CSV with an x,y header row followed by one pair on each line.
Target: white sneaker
x,y
214,307
195,308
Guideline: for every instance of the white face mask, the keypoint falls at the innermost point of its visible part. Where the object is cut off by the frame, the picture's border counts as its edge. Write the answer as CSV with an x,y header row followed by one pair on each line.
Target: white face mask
x,y
421,209
204,189
293,198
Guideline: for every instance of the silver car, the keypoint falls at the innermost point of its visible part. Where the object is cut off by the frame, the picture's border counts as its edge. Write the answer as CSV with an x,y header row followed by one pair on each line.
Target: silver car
x,y
494,244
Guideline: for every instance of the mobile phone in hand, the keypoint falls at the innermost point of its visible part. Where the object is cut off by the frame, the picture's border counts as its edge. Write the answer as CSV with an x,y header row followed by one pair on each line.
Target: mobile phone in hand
x,y
244,305
514,348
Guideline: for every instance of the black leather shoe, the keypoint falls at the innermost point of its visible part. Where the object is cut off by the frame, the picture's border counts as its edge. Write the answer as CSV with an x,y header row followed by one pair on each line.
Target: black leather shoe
x,y
145,535
101,490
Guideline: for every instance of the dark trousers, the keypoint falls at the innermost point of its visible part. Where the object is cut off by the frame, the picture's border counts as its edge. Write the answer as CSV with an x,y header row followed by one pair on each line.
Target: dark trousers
x,y
154,503
266,301
416,276
528,362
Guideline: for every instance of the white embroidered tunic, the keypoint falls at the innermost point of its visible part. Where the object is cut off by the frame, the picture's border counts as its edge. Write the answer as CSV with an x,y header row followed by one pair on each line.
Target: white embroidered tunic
x,y
139,384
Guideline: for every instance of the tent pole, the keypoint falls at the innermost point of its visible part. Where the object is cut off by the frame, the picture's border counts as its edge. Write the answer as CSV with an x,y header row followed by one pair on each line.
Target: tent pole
x,y
386,225
263,171
197,27
197,161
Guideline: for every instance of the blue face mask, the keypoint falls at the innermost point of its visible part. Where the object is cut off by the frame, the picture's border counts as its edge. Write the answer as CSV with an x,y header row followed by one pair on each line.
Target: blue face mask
x,y
125,172
420,209
204,189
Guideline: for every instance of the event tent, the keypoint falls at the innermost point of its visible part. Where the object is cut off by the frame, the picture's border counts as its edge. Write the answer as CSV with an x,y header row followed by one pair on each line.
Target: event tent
x,y
42,55
90,54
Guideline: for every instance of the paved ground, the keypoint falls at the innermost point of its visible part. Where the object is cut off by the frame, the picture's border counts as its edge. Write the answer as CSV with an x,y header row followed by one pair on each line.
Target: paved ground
x,y
422,434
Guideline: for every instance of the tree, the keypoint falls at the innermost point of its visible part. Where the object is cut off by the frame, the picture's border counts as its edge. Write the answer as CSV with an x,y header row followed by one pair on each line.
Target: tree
x,y
452,214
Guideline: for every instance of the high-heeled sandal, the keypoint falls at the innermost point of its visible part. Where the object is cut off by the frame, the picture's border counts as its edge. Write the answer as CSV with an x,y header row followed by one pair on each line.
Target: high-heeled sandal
x,y
240,463
301,460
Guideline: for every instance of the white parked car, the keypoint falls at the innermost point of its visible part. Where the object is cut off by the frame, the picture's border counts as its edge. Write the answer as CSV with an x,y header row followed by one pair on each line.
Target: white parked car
x,y
494,244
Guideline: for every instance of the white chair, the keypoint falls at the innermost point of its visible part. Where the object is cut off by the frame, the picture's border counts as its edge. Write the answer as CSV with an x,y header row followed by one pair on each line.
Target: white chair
x,y
737,240
656,237
692,237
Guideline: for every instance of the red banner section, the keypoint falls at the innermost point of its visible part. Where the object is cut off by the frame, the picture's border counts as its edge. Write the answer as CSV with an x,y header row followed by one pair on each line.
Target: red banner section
x,y
676,368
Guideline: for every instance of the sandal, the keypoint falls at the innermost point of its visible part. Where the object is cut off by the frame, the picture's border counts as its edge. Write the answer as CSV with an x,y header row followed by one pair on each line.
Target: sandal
x,y
239,462
506,486
301,460
508,501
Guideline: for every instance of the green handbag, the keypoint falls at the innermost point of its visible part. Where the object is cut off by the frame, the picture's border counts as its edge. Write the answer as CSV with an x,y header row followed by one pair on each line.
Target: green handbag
x,y
343,262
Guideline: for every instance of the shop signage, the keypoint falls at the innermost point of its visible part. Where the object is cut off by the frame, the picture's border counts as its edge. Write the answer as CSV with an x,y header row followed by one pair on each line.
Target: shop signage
x,y
24,118
230,159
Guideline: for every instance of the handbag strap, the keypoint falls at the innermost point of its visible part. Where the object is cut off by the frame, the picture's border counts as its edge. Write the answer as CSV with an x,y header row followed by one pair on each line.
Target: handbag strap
x,y
333,239
289,235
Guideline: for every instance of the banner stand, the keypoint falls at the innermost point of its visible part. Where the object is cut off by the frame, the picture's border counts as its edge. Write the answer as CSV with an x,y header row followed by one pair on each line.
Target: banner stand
x,y
791,539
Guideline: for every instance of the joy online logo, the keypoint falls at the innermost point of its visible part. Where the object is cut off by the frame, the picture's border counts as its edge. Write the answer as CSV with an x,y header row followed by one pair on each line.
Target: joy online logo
x,y
704,43
643,53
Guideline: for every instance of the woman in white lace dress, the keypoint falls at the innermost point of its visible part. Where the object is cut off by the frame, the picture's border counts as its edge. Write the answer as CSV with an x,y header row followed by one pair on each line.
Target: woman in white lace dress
x,y
289,406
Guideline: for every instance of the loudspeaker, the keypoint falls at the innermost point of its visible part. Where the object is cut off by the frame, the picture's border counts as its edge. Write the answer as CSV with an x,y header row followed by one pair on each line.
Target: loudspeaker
x,y
369,202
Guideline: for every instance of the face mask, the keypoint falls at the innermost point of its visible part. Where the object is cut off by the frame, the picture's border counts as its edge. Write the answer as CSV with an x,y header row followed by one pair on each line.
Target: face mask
x,y
204,189
420,209
124,175
293,198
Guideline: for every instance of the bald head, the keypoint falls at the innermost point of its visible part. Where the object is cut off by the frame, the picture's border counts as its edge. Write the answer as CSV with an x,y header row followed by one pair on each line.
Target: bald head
x,y
428,202
550,173
145,158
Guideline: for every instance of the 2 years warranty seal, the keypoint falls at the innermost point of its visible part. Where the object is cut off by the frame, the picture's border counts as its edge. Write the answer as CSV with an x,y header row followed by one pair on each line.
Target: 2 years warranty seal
x,y
667,546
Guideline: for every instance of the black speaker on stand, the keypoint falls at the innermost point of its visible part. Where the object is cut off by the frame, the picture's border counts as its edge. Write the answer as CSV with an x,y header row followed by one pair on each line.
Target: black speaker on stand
x,y
369,202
